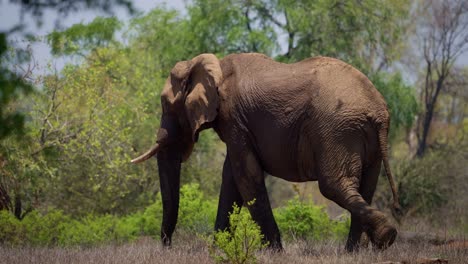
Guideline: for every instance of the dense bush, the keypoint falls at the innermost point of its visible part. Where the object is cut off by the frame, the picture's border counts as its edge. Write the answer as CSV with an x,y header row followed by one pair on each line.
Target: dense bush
x,y
10,229
301,220
196,216
428,183
46,229
55,228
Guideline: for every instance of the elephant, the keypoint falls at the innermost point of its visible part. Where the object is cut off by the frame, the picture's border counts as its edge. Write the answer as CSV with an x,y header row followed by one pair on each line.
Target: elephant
x,y
319,119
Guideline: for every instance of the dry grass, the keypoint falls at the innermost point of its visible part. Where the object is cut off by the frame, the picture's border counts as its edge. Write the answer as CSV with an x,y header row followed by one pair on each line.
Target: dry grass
x,y
193,250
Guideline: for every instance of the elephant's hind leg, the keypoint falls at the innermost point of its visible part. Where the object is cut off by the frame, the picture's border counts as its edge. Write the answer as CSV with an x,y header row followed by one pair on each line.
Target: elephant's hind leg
x,y
340,183
358,236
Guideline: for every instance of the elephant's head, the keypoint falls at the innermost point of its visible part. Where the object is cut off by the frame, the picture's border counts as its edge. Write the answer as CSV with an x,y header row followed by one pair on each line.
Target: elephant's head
x,y
189,103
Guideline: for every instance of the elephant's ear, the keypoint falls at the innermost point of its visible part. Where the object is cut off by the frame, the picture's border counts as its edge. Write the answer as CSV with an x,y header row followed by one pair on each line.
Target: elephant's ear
x,y
202,101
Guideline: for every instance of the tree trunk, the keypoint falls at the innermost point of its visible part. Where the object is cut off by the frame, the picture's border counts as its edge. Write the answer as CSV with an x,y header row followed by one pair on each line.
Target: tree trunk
x,y
430,105
18,207
426,126
5,201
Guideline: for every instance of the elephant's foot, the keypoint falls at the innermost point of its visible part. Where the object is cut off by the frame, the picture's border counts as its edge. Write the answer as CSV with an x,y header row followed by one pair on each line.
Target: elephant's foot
x,y
275,246
354,246
383,236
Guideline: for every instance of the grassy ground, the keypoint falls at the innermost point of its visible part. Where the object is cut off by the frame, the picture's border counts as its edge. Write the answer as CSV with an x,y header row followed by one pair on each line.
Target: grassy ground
x,y
193,250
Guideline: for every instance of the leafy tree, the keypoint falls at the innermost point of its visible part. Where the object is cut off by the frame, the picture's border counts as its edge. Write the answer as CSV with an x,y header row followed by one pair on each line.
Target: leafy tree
x,y
400,99
366,33
88,119
12,84
224,27
79,38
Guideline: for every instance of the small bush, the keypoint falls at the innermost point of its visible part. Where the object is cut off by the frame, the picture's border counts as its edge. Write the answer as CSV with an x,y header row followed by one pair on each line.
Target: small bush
x,y
152,218
44,230
239,243
130,227
11,232
300,220
89,231
196,214
425,183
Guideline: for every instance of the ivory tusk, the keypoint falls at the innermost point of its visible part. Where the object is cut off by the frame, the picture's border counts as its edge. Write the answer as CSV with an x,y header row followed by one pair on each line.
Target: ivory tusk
x,y
150,153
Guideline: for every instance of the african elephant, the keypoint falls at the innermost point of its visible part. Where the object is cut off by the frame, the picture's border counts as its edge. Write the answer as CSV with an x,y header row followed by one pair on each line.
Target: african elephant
x,y
319,119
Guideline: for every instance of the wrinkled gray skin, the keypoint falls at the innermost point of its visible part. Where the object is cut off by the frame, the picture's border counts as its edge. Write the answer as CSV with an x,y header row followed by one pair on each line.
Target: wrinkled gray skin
x,y
316,120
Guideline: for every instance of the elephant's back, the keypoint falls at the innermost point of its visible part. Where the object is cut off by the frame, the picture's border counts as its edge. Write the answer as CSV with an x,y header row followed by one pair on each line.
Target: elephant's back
x,y
340,90
318,85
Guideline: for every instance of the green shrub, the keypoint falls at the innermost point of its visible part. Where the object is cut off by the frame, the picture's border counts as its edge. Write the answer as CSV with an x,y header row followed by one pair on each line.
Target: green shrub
x,y
152,218
130,227
196,214
44,230
11,231
300,220
424,183
340,228
89,231
239,243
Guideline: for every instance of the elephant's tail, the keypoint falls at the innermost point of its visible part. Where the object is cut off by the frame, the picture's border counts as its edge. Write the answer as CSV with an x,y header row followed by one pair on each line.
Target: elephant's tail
x,y
383,141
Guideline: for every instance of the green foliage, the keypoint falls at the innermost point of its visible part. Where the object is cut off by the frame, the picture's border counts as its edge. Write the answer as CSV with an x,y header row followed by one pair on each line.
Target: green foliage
x,y
300,220
430,182
12,86
90,119
400,98
44,230
90,230
72,144
196,216
10,229
54,228
87,121
152,218
235,30
205,163
239,243
79,37
196,213
359,32
130,227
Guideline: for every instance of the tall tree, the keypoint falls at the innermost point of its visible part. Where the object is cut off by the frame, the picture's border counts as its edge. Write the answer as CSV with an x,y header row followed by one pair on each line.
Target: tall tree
x,y
367,34
443,33
13,84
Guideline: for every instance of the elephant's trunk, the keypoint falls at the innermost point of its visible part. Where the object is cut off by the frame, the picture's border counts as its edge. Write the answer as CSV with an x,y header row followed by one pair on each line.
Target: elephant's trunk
x,y
150,153
169,179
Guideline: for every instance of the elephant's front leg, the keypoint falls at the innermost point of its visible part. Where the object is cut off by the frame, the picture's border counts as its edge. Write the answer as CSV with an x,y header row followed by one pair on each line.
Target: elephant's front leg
x,y
250,180
228,196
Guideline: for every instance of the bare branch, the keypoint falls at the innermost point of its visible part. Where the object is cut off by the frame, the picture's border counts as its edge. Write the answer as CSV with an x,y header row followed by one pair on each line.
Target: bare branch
x,y
444,31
